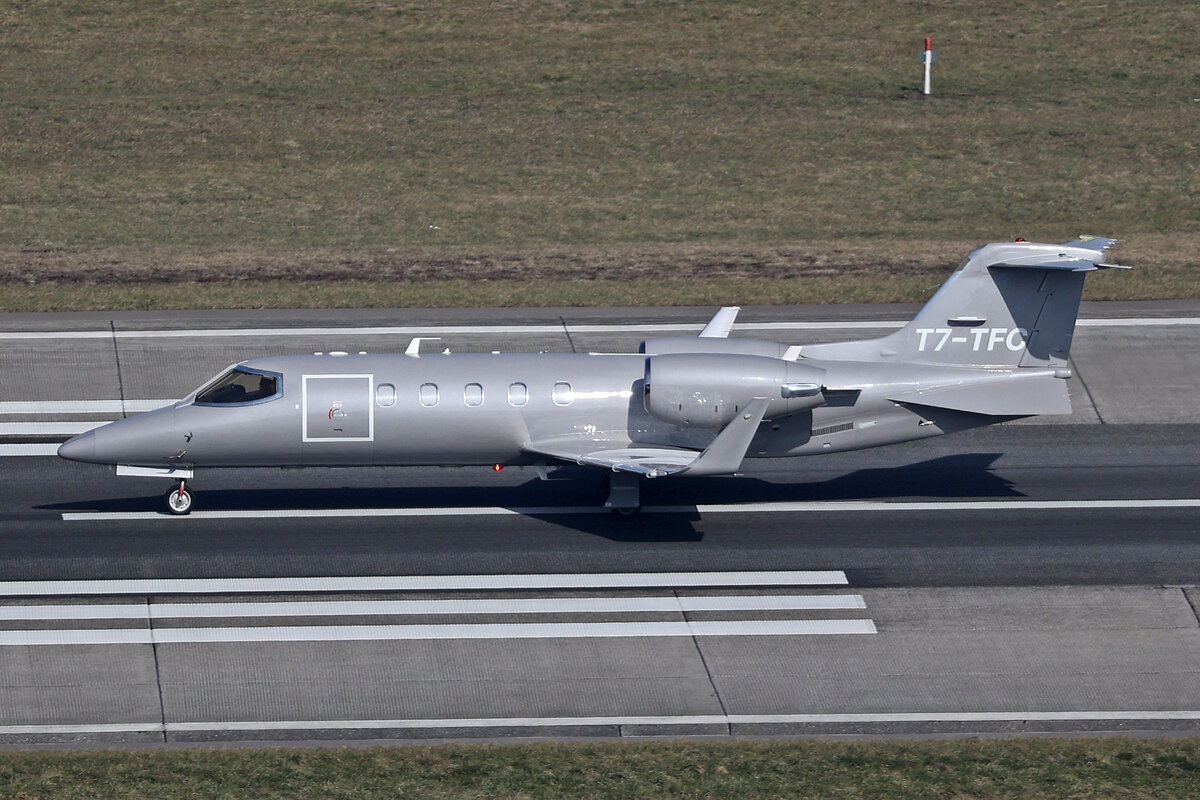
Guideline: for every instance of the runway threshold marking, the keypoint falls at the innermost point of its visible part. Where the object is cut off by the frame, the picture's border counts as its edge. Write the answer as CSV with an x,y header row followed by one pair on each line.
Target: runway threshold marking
x,y
821,506
160,728
411,583
361,608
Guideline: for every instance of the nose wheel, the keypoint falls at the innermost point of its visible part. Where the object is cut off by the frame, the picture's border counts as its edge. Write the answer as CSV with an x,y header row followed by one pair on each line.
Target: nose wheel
x,y
179,500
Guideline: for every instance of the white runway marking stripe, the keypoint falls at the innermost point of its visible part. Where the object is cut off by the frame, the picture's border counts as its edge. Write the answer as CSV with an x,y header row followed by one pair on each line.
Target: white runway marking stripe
x,y
936,505
22,450
853,506
412,583
543,329
56,428
160,728
516,630
354,608
80,406
442,330
482,511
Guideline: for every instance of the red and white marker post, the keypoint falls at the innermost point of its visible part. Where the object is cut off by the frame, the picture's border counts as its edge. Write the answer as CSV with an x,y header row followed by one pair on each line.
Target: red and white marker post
x,y
927,57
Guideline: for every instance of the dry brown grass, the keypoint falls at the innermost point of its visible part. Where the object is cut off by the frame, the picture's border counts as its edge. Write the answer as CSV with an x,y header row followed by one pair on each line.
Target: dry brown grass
x,y
603,140
624,275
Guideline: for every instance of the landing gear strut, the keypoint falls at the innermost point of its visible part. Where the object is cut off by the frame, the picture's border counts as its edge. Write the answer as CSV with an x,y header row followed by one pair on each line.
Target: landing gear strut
x,y
624,493
179,499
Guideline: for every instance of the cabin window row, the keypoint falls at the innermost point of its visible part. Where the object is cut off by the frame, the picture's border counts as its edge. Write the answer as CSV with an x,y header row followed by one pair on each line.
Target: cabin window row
x,y
429,394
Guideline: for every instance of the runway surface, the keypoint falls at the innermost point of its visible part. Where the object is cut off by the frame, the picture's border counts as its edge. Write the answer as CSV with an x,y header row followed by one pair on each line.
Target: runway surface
x,y
1030,576
1000,506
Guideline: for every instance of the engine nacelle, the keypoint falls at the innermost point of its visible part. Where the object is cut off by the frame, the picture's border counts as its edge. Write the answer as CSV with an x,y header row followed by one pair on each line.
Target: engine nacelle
x,y
707,390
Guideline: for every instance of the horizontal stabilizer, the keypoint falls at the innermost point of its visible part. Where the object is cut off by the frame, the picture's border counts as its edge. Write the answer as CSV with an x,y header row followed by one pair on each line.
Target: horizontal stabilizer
x,y
1017,394
1072,265
1067,266
1099,243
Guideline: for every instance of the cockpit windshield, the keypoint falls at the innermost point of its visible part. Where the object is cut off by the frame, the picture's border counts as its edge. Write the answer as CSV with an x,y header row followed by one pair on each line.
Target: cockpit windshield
x,y
241,385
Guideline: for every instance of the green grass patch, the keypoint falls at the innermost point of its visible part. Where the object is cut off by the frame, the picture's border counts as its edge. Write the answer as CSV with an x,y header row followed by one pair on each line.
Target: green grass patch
x,y
1028,769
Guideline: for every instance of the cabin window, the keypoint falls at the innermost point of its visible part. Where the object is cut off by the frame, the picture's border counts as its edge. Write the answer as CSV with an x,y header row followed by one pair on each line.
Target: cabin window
x,y
385,395
562,394
518,394
473,394
428,394
241,386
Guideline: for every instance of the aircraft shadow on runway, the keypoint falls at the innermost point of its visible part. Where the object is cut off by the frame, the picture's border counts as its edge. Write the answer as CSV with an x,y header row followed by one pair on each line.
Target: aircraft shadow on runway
x,y
963,475
954,476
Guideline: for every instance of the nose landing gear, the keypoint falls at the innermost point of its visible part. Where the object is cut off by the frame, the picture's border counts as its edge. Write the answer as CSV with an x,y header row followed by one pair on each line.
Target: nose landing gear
x,y
179,500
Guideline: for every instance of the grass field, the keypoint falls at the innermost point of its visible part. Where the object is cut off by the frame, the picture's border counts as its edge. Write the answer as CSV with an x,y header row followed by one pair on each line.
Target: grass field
x,y
218,153
1026,769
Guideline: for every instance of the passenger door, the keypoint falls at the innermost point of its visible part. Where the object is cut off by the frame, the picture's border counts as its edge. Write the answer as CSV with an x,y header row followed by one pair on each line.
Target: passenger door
x,y
337,408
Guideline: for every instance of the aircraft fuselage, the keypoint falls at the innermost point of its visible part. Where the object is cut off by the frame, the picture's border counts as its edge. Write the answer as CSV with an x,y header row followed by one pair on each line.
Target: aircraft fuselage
x,y
467,409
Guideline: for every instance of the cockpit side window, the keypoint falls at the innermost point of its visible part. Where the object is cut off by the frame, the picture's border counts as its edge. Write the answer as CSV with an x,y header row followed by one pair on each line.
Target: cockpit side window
x,y
241,386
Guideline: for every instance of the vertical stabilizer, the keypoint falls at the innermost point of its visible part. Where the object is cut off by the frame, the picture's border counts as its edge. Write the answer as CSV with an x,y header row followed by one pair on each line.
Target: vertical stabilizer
x,y
1010,304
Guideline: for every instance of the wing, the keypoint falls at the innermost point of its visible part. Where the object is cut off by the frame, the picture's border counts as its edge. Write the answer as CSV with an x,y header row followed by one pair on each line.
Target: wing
x,y
722,457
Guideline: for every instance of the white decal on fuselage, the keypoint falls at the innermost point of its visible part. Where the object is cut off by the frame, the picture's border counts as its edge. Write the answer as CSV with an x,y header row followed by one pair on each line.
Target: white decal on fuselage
x,y
977,339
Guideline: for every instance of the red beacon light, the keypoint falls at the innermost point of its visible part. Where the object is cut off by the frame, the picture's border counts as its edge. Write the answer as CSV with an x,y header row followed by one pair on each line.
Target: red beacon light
x,y
1019,239
497,467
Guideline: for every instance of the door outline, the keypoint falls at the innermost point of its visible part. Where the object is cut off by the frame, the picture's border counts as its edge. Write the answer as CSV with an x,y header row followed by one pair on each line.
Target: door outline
x,y
368,382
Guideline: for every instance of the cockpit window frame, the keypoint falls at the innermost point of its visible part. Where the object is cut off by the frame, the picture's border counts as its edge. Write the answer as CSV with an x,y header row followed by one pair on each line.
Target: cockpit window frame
x,y
278,376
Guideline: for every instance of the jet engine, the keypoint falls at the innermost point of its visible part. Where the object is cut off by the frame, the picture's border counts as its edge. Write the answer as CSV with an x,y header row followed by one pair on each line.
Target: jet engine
x,y
707,390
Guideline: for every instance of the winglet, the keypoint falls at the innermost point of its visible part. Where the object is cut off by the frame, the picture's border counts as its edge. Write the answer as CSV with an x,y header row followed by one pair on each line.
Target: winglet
x,y
719,326
725,454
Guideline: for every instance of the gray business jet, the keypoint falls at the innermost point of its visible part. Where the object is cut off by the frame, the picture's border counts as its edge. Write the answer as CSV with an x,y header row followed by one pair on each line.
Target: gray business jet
x,y
991,345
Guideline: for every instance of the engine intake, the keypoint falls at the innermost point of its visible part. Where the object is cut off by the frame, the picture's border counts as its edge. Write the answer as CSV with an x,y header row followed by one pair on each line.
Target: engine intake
x,y
707,390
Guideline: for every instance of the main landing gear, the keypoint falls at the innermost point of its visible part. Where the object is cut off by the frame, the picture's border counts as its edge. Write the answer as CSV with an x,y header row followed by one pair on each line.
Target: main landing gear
x,y
179,499
624,493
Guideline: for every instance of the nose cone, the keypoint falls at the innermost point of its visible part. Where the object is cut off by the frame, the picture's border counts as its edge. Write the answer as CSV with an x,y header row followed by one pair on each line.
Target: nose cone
x,y
79,448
